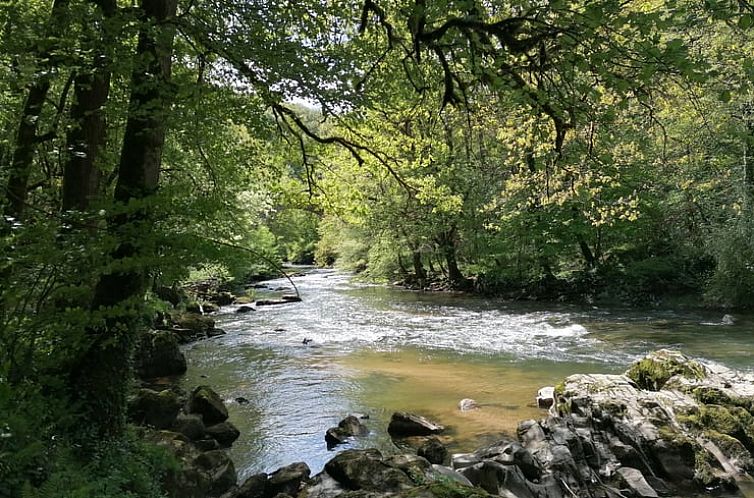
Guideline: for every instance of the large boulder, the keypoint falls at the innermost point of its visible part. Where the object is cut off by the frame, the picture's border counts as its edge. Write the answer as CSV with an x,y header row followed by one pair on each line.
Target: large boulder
x,y
158,355
207,403
224,433
287,480
197,474
409,424
190,425
366,470
154,409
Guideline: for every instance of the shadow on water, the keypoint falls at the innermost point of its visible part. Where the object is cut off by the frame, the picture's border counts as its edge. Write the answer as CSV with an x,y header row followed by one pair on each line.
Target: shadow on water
x,y
376,350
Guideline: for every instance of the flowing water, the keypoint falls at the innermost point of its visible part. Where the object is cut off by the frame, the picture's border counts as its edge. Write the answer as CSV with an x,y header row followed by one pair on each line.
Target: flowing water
x,y
376,350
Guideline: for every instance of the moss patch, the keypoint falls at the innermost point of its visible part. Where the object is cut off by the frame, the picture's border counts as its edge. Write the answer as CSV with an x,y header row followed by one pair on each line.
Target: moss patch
x,y
653,372
446,488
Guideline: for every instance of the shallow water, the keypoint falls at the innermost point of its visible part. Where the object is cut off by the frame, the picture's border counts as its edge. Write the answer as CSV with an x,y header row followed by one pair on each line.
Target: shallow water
x,y
376,350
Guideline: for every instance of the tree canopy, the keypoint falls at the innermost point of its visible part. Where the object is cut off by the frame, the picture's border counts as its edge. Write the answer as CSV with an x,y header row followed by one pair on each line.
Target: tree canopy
x,y
530,149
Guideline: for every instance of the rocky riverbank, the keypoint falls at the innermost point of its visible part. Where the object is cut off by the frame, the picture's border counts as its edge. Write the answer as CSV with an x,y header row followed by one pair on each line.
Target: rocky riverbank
x,y
670,426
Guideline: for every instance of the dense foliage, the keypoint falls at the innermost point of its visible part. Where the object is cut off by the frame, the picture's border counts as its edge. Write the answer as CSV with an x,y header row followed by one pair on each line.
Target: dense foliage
x,y
559,150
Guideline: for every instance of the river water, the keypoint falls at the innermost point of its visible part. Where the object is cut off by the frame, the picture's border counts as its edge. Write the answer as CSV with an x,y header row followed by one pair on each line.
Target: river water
x,y
376,350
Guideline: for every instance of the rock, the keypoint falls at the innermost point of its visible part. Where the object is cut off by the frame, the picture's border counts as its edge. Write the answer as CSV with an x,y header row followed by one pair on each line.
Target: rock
x,y
728,320
335,436
220,469
433,450
499,479
417,468
636,483
224,433
287,479
207,443
208,308
158,355
190,327
215,332
511,453
461,460
291,298
241,400
409,424
221,298
364,469
446,473
207,403
467,404
197,474
190,425
546,397
254,487
270,302
244,309
353,426
154,409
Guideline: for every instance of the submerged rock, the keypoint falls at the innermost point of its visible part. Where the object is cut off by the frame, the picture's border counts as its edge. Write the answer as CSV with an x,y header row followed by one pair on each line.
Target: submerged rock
x,y
409,424
467,404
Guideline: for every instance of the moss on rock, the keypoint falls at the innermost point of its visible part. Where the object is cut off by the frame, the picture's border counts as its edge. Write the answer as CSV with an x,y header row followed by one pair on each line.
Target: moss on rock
x,y
654,371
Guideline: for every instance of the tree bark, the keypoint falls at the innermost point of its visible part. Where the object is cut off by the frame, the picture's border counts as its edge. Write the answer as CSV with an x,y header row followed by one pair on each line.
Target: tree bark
x,y
81,176
446,241
104,371
16,189
421,274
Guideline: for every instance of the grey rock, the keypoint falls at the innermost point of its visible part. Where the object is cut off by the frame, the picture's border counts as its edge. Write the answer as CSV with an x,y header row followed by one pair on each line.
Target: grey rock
x,y
433,450
190,425
467,404
636,482
546,397
365,469
158,355
409,424
224,433
154,409
287,479
207,403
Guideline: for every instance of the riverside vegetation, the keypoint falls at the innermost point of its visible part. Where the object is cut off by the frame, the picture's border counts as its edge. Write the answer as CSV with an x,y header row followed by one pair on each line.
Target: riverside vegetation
x,y
596,150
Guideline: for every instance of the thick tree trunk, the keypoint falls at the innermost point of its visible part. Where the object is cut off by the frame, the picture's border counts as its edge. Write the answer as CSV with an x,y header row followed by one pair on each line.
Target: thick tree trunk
x,y
81,176
22,159
447,243
104,372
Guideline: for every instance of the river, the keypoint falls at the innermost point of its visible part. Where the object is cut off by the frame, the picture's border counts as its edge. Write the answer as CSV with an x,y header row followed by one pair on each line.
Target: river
x,y
376,350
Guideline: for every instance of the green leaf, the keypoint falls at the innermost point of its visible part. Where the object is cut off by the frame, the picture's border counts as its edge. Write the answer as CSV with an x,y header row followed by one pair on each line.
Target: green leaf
x,y
725,96
745,21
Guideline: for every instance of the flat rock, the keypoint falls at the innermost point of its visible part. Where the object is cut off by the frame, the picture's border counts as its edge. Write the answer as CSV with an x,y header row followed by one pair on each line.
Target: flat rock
x,y
409,424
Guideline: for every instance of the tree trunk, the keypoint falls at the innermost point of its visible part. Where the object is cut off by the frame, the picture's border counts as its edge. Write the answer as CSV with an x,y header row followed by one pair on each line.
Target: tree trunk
x,y
16,189
446,241
587,253
421,274
104,371
81,176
